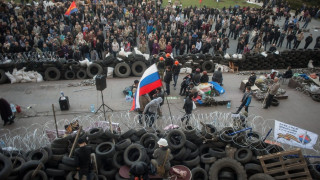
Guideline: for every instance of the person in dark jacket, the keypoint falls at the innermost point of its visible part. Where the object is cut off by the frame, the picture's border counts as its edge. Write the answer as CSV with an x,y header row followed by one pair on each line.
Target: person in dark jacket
x,y
83,159
288,73
217,76
6,113
273,48
246,100
282,36
290,37
196,77
308,40
176,70
251,81
139,170
167,79
185,84
204,78
188,107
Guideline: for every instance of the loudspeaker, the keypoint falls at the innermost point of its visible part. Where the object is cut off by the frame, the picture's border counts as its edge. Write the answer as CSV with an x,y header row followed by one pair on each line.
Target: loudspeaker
x,y
64,103
101,82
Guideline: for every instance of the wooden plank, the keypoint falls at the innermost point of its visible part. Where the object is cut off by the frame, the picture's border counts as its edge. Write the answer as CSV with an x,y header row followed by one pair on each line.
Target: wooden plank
x,y
282,153
286,168
292,175
286,162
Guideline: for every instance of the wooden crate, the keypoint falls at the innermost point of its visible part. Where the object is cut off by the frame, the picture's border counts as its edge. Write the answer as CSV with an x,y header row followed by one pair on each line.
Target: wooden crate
x,y
286,165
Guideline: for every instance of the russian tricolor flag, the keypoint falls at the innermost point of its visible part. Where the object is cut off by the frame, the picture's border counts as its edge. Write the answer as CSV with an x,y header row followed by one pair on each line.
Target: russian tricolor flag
x,y
71,9
149,81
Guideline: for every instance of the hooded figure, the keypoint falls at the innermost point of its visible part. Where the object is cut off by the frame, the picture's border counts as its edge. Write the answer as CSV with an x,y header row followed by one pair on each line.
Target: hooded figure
x,y
151,109
139,169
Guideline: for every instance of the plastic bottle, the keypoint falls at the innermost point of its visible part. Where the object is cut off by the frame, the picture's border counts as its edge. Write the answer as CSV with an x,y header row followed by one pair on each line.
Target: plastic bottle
x,y
2,144
13,108
229,105
92,108
62,94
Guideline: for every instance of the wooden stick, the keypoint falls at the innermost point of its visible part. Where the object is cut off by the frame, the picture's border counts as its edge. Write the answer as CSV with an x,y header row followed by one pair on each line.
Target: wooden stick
x,y
75,141
55,120
111,130
36,170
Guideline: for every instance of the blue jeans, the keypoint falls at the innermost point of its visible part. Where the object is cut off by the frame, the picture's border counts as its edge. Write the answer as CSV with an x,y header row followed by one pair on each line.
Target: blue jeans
x,y
168,88
87,55
175,79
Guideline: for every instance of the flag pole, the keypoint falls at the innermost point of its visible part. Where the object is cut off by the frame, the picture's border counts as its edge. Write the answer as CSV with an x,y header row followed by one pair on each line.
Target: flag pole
x,y
165,96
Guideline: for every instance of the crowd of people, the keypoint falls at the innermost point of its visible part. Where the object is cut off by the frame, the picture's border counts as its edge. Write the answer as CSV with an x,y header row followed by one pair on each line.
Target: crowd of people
x,y
101,27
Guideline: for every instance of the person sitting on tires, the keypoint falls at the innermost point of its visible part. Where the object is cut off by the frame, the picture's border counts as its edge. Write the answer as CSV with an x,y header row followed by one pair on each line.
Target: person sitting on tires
x,y
139,171
251,81
217,76
162,157
83,159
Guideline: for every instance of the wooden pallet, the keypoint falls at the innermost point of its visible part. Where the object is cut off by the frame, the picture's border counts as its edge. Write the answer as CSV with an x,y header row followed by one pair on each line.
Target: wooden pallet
x,y
286,165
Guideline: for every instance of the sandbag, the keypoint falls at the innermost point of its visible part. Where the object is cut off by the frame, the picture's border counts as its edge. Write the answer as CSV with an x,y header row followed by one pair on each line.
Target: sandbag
x,y
11,77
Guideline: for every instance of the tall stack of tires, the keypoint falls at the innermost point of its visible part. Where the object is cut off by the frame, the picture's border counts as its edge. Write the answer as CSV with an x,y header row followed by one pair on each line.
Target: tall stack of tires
x,y
55,68
205,152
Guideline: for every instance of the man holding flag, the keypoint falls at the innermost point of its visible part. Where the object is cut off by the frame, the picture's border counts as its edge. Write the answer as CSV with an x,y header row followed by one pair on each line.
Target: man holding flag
x,y
72,8
149,81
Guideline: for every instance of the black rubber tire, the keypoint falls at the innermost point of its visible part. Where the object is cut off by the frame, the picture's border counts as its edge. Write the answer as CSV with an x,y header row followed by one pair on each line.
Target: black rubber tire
x,y
140,132
217,152
118,160
66,167
176,139
106,150
39,175
208,66
138,68
101,177
94,133
69,75
49,151
56,145
123,144
252,169
316,97
199,174
275,102
224,134
207,158
69,161
180,155
243,155
128,134
127,154
314,170
71,175
192,163
122,70
55,172
94,69
81,74
17,163
261,176
227,163
225,175
6,166
106,169
12,177
39,155
3,77
149,141
30,165
52,74
59,151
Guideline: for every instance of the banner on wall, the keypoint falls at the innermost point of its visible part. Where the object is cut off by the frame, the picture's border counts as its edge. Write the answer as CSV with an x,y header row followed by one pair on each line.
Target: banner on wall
x,y
292,135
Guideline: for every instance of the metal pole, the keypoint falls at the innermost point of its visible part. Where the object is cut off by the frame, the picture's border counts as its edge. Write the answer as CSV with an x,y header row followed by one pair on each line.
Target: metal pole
x,y
55,120
104,111
267,135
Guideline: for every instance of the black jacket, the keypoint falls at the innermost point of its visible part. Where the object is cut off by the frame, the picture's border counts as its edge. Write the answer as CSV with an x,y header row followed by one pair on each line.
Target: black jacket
x,y
176,69
188,105
82,157
168,77
204,78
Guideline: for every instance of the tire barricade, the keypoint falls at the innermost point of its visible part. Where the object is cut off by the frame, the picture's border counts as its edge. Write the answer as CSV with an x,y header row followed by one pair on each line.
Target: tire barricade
x,y
204,151
52,67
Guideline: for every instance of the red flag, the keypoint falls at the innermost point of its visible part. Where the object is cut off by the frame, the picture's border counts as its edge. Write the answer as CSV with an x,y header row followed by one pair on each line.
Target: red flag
x,y
71,9
200,1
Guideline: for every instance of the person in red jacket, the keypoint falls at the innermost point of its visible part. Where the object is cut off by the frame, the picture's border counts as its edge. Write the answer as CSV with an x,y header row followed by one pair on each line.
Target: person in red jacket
x,y
168,48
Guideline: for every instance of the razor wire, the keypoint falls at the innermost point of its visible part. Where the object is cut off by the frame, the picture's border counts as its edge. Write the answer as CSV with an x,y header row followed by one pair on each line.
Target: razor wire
x,y
35,137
